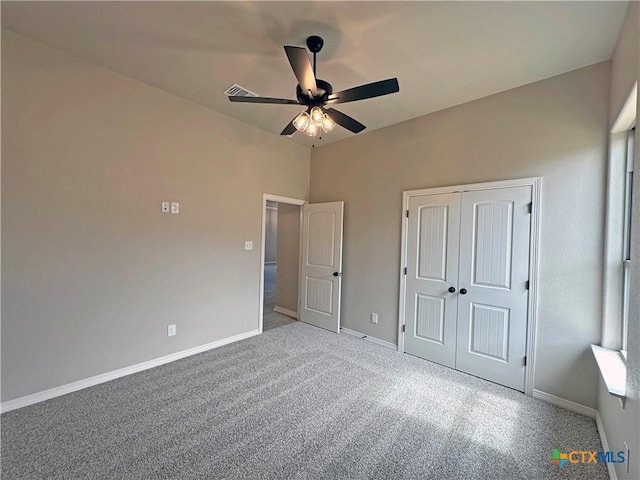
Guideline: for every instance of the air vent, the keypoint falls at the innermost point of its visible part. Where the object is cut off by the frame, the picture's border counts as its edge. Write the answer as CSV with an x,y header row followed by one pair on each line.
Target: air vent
x,y
236,90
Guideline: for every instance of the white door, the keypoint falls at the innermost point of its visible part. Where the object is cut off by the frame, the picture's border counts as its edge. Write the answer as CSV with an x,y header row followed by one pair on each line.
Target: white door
x,y
432,270
466,289
321,267
494,270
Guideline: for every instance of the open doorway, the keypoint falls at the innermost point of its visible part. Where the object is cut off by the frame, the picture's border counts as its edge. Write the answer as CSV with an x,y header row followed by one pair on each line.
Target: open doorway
x,y
280,261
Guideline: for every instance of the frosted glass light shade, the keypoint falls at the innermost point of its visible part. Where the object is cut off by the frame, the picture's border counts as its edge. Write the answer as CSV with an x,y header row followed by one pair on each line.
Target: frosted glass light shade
x,y
316,115
327,123
302,121
311,130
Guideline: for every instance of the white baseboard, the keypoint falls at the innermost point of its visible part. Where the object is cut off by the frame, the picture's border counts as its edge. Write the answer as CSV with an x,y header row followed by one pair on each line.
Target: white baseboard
x,y
285,311
605,446
566,404
105,377
366,337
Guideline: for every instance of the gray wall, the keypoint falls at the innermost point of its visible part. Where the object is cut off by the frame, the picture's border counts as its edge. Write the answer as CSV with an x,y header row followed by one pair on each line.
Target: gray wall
x,y
288,256
92,271
624,425
556,129
271,235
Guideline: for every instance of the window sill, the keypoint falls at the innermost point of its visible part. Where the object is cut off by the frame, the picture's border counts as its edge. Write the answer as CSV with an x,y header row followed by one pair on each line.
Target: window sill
x,y
613,369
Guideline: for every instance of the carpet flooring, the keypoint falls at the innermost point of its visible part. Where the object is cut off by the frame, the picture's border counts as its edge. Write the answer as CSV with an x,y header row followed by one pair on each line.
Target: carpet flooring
x,y
298,403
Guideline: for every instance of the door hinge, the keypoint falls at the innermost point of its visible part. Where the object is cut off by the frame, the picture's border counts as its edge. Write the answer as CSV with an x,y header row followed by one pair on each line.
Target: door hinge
x,y
530,207
405,270
407,213
403,326
526,285
525,360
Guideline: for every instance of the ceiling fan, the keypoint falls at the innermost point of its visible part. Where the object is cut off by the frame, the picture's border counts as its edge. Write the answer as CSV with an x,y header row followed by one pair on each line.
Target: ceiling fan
x,y
315,94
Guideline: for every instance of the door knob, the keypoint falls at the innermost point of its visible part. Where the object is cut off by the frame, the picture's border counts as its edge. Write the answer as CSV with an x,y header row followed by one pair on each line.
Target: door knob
x,y
336,274
452,289
463,291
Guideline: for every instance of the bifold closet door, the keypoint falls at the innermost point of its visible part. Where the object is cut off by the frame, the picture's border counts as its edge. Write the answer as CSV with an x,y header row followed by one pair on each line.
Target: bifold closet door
x,y
432,271
466,294
493,274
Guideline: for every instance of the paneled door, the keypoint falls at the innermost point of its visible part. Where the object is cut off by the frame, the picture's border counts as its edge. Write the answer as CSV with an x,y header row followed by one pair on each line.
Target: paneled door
x,y
467,277
432,271
494,271
321,267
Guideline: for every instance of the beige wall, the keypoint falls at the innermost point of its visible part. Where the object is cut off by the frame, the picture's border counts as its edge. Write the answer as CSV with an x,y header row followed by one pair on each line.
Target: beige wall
x,y
92,271
555,129
271,235
626,61
622,425
288,256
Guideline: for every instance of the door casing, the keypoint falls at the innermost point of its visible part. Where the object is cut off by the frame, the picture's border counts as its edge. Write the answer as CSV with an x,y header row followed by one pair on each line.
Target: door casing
x,y
536,185
279,199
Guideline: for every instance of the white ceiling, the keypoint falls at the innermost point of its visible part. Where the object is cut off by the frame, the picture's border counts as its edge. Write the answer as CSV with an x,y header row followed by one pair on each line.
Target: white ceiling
x,y
443,53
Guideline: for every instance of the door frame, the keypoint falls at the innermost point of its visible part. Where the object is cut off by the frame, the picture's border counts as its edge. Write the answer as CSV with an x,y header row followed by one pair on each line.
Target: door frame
x,y
279,199
532,311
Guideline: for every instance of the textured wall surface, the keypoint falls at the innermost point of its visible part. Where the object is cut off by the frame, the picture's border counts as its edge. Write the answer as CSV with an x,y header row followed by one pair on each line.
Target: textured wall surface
x,y
623,425
271,235
288,256
555,129
92,271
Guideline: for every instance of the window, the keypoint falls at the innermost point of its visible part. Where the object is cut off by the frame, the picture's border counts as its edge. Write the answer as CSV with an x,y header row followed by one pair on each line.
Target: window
x,y
611,354
626,257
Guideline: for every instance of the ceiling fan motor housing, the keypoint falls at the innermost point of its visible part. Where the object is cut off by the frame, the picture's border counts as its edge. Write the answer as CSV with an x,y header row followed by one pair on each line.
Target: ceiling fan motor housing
x,y
322,86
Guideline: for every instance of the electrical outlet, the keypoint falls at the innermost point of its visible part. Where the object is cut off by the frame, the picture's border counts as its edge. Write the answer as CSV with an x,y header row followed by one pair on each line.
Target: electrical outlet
x,y
374,318
248,245
175,207
165,207
171,330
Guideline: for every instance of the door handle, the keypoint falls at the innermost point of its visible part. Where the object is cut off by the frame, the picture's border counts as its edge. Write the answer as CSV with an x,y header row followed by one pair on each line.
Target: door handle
x,y
452,289
336,274
463,291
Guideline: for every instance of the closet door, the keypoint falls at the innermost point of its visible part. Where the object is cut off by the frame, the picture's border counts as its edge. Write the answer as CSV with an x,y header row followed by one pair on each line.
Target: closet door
x,y
493,275
432,272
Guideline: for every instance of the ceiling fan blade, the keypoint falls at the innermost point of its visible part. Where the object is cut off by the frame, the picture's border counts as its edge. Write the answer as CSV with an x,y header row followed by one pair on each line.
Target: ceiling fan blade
x,y
370,90
301,65
280,101
345,121
289,129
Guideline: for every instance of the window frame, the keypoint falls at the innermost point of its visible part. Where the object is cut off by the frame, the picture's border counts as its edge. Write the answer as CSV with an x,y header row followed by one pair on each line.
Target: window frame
x,y
626,239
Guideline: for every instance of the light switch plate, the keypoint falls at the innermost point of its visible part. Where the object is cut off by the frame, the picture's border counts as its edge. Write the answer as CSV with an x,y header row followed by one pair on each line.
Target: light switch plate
x,y
175,207
248,245
165,207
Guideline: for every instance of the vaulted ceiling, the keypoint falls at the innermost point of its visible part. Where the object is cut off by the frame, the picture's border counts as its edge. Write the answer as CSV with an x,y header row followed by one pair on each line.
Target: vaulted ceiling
x,y
443,53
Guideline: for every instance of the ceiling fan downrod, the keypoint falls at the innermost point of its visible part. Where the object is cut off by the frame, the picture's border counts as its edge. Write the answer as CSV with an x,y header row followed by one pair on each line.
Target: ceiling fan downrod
x,y
314,44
